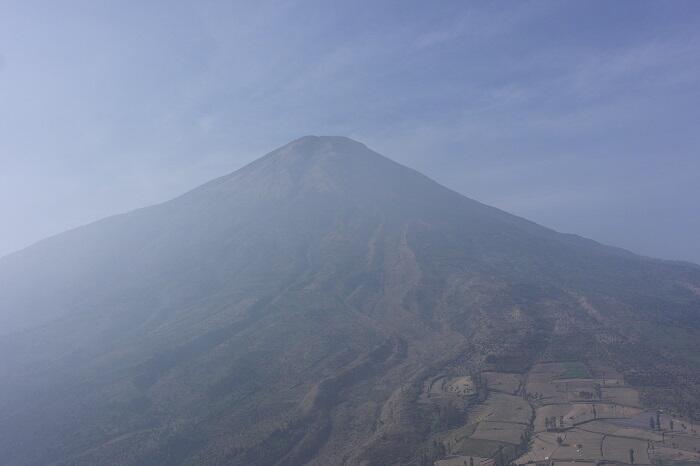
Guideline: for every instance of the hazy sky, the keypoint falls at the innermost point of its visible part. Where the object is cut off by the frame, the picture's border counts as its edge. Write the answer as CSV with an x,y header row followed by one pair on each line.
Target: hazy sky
x,y
583,116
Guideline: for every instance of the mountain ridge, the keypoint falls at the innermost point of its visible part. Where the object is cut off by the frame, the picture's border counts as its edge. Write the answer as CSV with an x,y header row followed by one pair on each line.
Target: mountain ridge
x,y
276,153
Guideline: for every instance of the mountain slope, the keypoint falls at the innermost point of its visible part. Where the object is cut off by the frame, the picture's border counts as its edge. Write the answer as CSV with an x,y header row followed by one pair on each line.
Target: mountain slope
x,y
288,313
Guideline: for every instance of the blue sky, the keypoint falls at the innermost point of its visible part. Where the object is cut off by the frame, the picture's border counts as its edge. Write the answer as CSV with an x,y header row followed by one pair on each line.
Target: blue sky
x,y
582,116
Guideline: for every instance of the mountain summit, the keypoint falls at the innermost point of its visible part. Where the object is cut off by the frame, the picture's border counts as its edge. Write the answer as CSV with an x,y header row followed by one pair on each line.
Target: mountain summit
x,y
293,311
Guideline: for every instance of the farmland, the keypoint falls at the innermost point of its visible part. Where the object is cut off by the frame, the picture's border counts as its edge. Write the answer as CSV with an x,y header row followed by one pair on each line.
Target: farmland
x,y
563,412
602,421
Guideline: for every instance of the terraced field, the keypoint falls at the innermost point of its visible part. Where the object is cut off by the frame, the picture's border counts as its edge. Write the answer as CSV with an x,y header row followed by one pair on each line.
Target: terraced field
x,y
564,412
602,421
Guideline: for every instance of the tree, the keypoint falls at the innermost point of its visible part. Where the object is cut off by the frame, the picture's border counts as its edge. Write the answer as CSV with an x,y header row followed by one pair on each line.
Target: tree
x,y
499,457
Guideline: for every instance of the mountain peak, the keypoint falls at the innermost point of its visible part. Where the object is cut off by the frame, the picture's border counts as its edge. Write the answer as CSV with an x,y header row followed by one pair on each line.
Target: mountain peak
x,y
311,145
317,141
310,164
313,164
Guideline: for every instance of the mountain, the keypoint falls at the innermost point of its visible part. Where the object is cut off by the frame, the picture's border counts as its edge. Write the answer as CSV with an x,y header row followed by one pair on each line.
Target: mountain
x,y
291,313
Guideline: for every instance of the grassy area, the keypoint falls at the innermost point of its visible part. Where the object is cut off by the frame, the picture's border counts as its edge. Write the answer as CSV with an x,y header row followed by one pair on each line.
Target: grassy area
x,y
483,448
574,370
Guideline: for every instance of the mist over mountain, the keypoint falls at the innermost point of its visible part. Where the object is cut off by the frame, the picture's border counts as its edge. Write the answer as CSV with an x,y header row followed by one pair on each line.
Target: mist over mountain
x,y
291,312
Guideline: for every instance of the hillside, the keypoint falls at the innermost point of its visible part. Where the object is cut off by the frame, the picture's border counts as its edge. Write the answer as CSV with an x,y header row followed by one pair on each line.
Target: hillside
x,y
293,312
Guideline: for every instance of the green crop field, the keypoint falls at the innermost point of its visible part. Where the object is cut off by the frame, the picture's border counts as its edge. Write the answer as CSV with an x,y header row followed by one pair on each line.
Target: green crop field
x,y
574,370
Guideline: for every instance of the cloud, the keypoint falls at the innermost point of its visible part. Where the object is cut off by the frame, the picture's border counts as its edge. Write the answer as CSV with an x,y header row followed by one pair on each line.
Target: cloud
x,y
672,62
478,24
